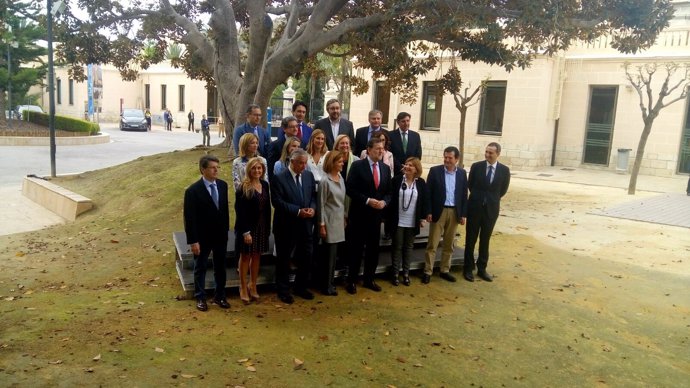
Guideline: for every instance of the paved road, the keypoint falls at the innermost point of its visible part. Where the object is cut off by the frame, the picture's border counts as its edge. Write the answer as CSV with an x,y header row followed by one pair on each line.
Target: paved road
x,y
17,162
19,214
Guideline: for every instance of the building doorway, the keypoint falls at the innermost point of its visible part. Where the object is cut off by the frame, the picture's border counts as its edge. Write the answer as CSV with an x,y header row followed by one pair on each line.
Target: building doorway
x,y
600,121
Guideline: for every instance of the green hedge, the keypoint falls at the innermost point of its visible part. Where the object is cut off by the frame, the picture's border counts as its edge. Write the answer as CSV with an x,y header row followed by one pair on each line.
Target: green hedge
x,y
63,123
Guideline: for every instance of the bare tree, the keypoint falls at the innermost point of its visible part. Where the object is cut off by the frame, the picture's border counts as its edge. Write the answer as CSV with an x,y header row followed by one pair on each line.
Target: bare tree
x,y
641,78
464,98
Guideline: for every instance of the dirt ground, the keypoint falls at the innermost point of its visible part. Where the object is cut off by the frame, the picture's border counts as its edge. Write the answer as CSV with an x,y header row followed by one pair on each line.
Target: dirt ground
x,y
578,300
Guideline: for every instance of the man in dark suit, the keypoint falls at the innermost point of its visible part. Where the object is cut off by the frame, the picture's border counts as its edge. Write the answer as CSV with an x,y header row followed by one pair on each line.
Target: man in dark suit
x,y
289,126
190,118
448,192
252,126
369,188
299,111
488,183
334,125
405,143
206,223
293,194
363,135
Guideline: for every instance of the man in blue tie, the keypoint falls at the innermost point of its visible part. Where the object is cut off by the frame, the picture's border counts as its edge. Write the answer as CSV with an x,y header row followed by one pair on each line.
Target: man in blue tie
x,y
206,224
488,183
253,125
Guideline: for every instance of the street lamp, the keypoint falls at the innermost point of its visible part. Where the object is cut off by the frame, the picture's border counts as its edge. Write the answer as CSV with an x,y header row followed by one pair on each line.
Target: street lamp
x,y
10,44
53,10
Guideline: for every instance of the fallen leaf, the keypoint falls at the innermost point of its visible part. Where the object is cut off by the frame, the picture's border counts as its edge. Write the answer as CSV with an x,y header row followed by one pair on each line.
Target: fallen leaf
x,y
20,254
451,346
56,362
188,376
241,360
251,369
159,350
114,241
297,363
97,358
418,365
387,333
401,359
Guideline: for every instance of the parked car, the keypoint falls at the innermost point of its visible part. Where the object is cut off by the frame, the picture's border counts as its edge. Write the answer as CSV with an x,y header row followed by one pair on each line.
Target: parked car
x,y
20,109
133,120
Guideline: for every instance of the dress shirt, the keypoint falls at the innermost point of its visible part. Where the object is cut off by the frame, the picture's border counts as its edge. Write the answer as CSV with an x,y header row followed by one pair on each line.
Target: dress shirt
x,y
493,173
450,186
335,127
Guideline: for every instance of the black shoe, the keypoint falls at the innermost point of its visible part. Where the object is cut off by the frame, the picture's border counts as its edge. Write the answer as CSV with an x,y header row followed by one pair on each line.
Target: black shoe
x,y
372,286
201,305
222,303
304,294
406,279
286,298
330,292
448,276
468,276
395,281
426,278
485,276
351,288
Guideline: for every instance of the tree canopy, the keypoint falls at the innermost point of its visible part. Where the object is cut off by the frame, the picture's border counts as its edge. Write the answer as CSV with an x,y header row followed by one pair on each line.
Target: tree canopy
x,y
20,31
397,39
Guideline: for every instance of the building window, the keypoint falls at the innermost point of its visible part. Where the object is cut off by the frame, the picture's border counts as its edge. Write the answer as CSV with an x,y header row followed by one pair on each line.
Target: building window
x,y
600,121
181,94
147,96
70,90
684,157
164,105
382,100
492,108
432,101
59,91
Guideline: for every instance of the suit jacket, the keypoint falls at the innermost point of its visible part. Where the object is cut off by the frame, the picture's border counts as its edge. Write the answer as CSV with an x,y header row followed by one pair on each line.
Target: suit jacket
x,y
414,148
360,187
306,133
345,128
264,138
422,207
247,212
287,201
482,194
362,138
275,149
436,181
203,222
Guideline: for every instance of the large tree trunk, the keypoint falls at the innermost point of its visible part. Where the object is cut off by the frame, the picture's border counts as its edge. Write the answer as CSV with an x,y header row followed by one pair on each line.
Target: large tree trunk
x,y
461,143
638,156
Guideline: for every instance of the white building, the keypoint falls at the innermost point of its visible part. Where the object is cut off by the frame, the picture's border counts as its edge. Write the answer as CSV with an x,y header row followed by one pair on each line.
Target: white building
x,y
572,110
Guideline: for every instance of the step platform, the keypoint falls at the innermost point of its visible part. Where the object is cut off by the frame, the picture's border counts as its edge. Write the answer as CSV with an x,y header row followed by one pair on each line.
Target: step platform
x,y
184,261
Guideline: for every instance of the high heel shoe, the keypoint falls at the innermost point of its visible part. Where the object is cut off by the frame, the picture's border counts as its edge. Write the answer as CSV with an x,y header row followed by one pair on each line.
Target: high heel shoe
x,y
253,293
243,296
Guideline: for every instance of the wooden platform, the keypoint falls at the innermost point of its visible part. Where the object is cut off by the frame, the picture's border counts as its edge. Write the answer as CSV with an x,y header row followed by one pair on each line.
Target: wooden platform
x,y
184,261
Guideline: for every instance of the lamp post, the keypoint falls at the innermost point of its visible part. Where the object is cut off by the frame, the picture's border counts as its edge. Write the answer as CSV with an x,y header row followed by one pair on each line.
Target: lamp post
x,y
10,44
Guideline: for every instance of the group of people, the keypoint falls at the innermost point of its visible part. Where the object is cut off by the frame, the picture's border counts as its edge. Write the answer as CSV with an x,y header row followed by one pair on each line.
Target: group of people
x,y
329,203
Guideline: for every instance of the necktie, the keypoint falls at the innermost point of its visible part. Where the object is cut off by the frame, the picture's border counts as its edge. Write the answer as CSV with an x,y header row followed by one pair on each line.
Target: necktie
x,y
214,195
404,135
299,186
488,175
376,175
299,131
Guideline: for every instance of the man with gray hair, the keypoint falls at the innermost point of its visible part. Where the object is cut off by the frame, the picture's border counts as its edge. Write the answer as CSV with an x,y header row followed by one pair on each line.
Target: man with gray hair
x,y
363,135
293,194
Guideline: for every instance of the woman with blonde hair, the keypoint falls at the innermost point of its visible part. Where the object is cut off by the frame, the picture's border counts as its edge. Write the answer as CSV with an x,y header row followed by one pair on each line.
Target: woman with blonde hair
x,y
291,143
252,226
408,209
249,148
331,214
317,149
